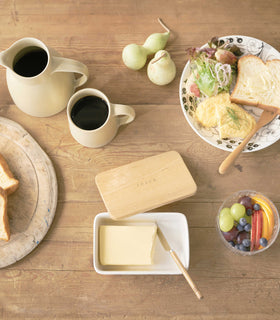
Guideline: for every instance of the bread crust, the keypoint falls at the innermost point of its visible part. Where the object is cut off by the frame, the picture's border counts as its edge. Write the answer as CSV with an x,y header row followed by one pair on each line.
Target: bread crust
x,y
4,221
246,102
13,183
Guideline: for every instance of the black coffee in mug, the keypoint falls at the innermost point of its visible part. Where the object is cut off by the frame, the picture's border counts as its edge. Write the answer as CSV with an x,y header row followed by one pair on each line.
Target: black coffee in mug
x,y
89,112
30,61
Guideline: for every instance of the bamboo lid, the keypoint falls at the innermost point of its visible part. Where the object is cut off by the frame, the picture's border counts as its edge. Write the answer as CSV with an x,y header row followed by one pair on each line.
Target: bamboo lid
x,y
145,184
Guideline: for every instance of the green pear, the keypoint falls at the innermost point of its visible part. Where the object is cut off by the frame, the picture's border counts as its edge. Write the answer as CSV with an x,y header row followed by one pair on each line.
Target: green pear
x,y
161,69
156,42
134,56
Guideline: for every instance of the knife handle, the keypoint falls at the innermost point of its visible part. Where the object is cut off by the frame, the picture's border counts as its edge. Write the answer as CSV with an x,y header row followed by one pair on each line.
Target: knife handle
x,y
185,273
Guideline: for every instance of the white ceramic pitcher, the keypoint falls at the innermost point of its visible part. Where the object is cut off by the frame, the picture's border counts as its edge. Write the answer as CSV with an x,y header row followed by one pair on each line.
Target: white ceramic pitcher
x,y
47,92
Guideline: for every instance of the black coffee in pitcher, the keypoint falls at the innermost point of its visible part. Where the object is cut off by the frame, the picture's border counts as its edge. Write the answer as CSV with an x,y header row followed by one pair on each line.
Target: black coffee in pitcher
x,y
30,61
89,112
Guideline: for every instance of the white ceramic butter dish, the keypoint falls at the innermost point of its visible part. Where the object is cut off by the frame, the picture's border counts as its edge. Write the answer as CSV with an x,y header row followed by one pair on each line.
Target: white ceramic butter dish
x,y
175,228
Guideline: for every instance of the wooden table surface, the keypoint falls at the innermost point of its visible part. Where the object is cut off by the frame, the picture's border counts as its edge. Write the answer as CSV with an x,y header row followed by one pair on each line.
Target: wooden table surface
x,y
57,280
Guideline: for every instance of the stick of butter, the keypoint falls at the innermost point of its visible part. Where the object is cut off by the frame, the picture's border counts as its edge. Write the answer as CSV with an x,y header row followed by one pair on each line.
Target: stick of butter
x,y
126,245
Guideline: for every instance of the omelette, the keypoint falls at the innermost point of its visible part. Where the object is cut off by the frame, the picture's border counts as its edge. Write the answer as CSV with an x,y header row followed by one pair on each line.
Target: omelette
x,y
232,120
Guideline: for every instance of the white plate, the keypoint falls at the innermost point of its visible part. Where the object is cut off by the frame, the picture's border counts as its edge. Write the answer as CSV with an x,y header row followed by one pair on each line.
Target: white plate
x,y
175,228
267,135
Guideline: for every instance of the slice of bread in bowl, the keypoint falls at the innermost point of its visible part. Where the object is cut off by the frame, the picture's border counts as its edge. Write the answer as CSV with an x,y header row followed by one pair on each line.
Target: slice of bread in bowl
x,y
258,83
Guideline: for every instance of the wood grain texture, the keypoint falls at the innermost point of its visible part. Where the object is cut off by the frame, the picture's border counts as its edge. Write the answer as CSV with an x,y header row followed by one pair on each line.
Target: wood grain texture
x,y
146,184
57,279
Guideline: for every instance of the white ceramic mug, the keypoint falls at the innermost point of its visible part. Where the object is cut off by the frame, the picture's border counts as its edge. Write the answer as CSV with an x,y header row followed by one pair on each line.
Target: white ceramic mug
x,y
118,115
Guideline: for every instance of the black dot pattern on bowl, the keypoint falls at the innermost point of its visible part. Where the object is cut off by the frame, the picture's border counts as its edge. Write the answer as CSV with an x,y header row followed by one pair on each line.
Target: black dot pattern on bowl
x,y
189,103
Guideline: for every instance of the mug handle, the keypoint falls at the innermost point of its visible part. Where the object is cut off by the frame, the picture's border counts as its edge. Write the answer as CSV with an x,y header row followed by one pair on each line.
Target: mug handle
x,y
70,65
125,114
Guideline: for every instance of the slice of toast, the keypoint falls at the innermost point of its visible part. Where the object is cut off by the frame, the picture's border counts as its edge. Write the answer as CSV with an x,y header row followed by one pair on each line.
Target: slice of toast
x,y
258,83
7,180
4,222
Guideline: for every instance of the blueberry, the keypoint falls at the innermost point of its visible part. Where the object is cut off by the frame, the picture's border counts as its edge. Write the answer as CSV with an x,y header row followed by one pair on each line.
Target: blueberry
x,y
256,207
242,222
242,247
263,242
240,227
231,243
246,243
249,212
247,227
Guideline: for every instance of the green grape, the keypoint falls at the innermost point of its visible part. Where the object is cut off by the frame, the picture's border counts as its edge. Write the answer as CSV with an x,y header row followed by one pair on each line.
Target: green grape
x,y
248,218
224,211
226,220
237,211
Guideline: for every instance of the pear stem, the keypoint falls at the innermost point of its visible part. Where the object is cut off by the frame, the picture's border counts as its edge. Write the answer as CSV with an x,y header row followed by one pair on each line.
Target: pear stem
x,y
163,55
163,25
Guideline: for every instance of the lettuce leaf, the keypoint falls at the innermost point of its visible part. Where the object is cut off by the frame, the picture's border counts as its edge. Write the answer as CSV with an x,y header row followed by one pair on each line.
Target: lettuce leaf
x,y
205,80
209,79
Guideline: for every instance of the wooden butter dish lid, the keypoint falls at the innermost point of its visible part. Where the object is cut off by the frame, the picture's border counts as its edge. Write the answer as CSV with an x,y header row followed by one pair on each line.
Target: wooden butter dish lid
x,y
145,184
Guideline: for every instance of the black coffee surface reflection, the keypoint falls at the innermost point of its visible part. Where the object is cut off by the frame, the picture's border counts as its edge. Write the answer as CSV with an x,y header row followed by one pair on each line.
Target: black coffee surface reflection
x,y
89,112
30,61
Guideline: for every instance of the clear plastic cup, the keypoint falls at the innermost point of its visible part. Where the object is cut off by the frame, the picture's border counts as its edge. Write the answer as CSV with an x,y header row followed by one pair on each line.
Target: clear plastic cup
x,y
233,198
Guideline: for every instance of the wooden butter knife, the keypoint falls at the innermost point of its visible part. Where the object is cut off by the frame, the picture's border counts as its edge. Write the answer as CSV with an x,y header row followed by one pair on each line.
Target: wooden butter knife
x,y
173,254
265,118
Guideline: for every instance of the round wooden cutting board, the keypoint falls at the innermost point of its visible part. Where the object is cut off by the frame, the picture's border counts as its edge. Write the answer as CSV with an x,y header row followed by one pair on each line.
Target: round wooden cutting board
x,y
31,208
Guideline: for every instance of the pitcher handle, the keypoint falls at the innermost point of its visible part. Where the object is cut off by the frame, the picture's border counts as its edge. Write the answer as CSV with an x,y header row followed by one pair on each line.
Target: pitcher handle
x,y
125,114
70,65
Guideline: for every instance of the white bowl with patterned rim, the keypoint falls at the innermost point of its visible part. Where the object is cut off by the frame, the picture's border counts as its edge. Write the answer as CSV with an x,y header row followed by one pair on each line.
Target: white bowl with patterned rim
x,y
267,135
